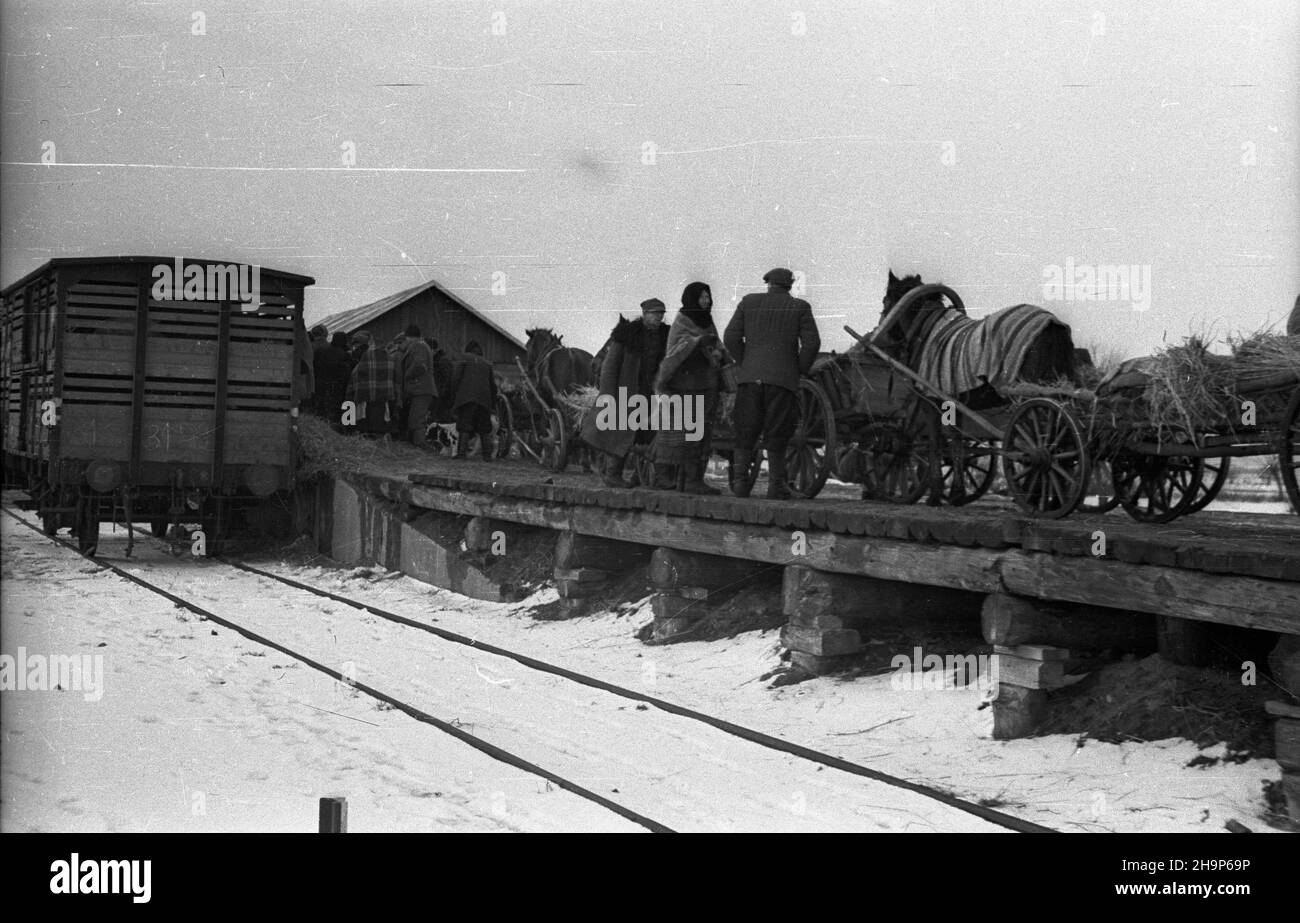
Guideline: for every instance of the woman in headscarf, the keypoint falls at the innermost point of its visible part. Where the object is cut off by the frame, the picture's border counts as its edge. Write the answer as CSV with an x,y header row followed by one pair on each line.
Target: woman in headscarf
x,y
692,368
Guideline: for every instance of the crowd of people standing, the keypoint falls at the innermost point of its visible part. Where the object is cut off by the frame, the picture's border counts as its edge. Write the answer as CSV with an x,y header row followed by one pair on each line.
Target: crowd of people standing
x,y
392,387
769,343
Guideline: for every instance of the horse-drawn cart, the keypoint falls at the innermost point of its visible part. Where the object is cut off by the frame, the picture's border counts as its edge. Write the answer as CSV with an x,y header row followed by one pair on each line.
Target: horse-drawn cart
x,y
1054,441
868,418
539,415
541,431
864,418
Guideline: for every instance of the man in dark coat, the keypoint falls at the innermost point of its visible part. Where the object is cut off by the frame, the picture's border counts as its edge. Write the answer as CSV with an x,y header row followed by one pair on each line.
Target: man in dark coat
x,y
416,377
474,394
773,339
632,359
332,368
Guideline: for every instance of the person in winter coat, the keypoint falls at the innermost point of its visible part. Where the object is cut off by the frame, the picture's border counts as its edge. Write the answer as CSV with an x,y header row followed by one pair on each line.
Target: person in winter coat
x,y
692,369
474,394
418,391
373,385
632,359
332,369
773,339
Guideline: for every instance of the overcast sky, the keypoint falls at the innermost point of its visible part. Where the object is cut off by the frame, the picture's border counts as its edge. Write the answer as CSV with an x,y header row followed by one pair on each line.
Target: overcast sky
x,y
585,156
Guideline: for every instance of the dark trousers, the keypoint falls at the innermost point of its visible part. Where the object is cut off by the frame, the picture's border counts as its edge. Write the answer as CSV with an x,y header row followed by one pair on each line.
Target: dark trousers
x,y
374,423
473,420
416,417
766,411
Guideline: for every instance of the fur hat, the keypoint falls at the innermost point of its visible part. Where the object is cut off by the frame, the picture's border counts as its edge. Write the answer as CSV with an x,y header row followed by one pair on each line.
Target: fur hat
x,y
779,276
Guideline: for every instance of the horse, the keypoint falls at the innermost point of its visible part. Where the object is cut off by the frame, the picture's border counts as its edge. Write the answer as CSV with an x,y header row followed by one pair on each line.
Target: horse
x,y
557,370
966,358
969,358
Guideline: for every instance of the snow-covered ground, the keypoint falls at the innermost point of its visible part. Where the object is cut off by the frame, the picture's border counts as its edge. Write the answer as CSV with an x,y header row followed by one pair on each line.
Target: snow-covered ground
x,y
200,729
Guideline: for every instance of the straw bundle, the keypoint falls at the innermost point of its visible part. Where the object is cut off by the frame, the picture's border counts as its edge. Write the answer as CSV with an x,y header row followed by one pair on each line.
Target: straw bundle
x,y
325,451
1186,389
578,402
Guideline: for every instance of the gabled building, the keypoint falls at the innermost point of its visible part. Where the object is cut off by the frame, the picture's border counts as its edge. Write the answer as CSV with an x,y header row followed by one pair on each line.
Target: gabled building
x,y
439,314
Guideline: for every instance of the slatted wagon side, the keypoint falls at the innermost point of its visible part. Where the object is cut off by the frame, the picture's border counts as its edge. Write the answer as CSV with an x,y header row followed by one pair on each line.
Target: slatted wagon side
x,y
124,406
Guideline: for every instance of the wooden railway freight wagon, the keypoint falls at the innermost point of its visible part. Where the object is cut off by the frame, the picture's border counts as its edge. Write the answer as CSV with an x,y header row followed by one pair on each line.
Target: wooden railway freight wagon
x,y
144,389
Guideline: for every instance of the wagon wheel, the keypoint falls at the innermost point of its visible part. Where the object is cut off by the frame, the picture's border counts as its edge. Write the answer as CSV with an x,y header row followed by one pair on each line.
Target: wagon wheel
x,y
1100,486
1288,454
1044,458
968,469
503,419
895,465
530,440
554,441
1214,472
1155,488
811,449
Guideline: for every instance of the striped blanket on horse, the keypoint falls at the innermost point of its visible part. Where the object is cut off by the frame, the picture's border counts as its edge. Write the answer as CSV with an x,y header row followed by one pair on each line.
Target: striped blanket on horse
x,y
958,354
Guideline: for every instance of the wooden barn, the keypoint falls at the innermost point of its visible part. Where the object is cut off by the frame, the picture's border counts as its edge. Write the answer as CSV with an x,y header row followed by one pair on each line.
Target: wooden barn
x,y
439,314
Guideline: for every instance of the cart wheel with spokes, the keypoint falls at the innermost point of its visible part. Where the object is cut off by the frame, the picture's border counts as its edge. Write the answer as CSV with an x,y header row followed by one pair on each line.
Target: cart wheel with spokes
x,y
554,441
503,421
1288,451
1155,488
811,451
897,456
1045,458
1214,472
967,468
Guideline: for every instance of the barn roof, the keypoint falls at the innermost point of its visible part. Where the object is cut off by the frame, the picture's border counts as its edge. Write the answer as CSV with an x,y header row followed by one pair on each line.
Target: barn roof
x,y
355,318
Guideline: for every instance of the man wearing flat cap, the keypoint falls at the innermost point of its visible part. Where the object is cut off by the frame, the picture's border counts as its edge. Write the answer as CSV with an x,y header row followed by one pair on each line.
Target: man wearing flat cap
x,y
773,339
632,358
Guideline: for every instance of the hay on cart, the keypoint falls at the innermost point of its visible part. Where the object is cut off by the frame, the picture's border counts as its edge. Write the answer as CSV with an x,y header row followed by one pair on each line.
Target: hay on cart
x,y
1186,391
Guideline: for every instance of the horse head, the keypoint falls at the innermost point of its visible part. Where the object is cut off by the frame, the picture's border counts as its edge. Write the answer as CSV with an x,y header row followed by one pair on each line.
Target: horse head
x,y
540,341
909,308
895,289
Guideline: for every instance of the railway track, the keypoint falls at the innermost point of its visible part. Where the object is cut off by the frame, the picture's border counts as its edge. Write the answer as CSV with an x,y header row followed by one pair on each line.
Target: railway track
x,y
785,748
447,727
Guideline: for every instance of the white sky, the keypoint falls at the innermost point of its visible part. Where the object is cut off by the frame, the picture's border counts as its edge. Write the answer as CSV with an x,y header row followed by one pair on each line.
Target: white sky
x,y
1153,134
